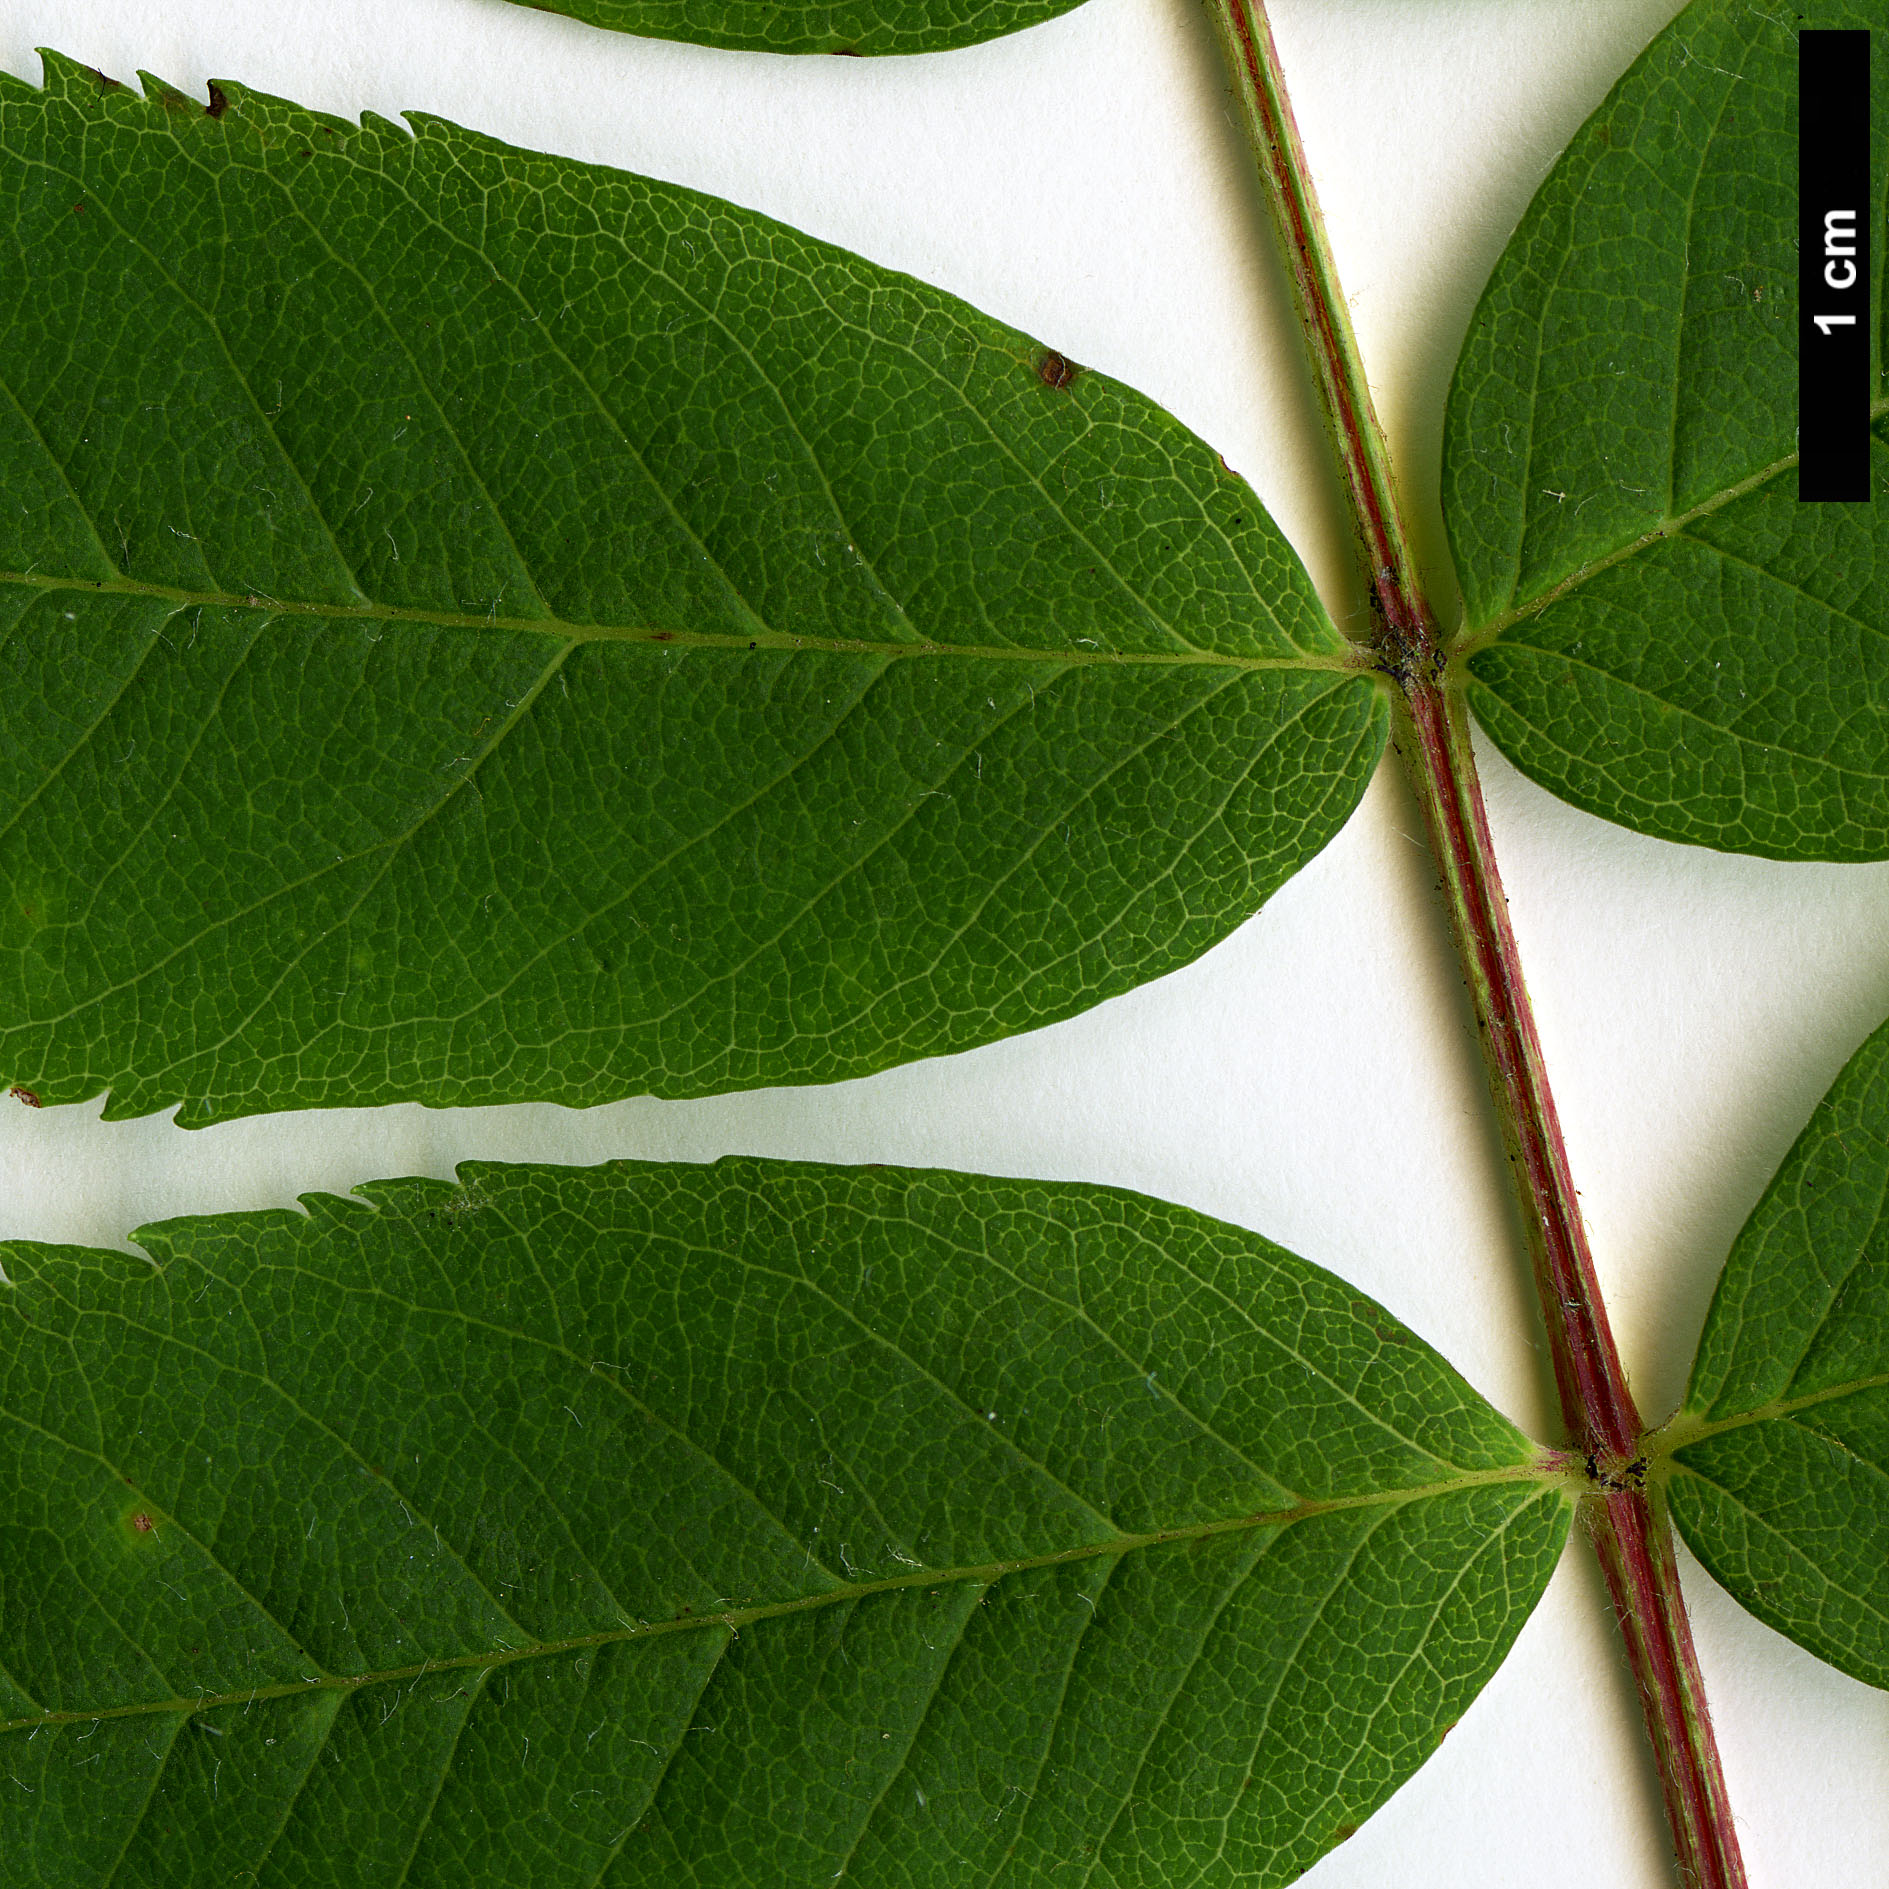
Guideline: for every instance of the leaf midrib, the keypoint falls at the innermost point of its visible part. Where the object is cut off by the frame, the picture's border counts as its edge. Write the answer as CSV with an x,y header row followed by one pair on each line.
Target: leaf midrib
x,y
1799,757
559,629
733,1619
757,624
1688,1428
1472,640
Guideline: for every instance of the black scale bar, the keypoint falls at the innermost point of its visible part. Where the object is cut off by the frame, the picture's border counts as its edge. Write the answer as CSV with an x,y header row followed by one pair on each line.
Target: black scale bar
x,y
1833,277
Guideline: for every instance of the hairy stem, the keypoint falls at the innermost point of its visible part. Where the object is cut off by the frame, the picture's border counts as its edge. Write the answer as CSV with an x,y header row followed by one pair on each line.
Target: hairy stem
x,y
1402,628
1630,1535
1634,1543
1433,740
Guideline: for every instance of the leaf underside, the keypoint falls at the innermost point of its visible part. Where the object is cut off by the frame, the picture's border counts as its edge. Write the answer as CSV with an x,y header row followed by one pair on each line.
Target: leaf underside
x,y
843,26
755,1523
1663,635
482,628
1785,1498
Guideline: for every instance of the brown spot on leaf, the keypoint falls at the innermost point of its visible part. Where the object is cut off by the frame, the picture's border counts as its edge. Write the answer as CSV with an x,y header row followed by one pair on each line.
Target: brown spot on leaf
x,y
218,104
847,52
20,1093
143,1523
1055,370
1343,1832
106,83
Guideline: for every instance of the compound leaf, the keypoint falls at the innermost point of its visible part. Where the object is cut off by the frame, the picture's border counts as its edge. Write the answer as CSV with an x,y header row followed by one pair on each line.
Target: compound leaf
x,y
1780,1474
833,26
1660,632
480,627
754,1523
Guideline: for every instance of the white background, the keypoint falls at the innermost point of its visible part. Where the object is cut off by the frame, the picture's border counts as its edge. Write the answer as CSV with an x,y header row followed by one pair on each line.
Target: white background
x,y
1315,1076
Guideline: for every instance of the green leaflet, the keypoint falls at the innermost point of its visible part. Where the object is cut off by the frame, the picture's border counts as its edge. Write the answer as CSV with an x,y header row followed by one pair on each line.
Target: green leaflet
x,y
483,627
751,1524
1780,1478
1662,635
850,26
